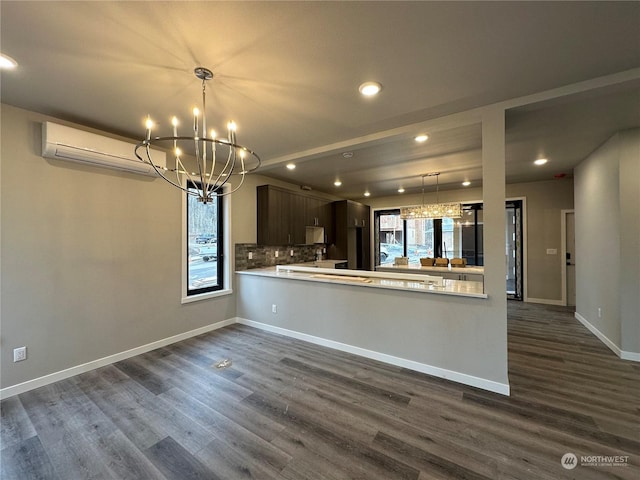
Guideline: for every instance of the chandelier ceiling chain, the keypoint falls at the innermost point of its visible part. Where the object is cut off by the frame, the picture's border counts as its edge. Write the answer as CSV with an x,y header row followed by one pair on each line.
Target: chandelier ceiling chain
x,y
212,160
433,210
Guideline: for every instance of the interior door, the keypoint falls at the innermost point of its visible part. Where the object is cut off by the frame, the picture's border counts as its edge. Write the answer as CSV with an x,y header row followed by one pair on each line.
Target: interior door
x,y
571,259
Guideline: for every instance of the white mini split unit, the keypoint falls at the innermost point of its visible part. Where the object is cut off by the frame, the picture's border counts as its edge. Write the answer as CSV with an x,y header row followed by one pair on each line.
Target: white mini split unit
x,y
66,143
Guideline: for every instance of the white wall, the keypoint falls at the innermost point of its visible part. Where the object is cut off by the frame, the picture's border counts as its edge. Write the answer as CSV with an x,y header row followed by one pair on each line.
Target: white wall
x,y
607,215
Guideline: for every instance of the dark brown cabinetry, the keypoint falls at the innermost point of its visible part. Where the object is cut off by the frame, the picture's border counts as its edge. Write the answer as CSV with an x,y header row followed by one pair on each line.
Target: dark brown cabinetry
x,y
352,234
283,216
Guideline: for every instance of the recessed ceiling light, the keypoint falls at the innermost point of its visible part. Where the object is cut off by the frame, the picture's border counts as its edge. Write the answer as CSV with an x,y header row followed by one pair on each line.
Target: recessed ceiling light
x,y
401,190
347,154
291,166
7,63
367,194
369,89
337,183
422,138
540,161
466,183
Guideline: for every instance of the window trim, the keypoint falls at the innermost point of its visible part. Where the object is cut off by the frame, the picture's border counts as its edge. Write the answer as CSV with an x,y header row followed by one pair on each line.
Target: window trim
x,y
225,243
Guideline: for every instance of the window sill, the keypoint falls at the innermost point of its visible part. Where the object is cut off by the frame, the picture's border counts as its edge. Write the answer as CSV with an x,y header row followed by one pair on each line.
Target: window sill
x,y
206,296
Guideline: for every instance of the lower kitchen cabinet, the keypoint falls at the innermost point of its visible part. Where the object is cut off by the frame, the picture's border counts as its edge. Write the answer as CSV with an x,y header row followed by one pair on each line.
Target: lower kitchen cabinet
x,y
469,277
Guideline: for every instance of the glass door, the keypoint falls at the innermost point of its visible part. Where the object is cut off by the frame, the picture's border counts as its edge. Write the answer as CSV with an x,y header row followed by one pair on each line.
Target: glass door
x,y
513,242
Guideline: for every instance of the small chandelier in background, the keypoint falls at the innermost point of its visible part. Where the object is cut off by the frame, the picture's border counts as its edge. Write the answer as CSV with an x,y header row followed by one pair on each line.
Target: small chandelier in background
x,y
202,164
433,210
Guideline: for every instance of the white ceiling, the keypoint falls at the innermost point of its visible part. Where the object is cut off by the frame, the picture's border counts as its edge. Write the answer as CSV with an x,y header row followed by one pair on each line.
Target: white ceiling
x,y
288,74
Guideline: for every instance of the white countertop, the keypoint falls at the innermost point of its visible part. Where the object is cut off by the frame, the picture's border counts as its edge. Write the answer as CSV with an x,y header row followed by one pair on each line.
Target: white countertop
x,y
373,280
315,263
417,268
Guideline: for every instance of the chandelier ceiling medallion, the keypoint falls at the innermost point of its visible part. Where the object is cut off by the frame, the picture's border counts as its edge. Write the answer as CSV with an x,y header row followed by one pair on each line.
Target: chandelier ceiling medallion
x,y
433,210
203,163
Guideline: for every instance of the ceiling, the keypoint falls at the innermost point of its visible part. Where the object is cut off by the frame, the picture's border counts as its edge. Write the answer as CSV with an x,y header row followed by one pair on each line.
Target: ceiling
x,y
288,74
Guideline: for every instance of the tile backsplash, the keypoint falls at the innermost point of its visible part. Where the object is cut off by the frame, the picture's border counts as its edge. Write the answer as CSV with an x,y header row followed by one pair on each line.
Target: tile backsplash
x,y
265,256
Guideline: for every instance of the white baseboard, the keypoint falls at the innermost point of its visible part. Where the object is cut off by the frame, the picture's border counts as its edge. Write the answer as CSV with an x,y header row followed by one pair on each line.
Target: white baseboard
x,y
544,301
101,362
463,378
633,356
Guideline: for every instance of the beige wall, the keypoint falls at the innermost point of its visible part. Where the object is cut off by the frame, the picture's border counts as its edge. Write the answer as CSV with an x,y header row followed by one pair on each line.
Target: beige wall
x,y
608,241
90,259
544,201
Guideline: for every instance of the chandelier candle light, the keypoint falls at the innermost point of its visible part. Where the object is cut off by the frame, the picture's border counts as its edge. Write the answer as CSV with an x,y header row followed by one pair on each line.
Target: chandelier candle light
x,y
433,210
214,160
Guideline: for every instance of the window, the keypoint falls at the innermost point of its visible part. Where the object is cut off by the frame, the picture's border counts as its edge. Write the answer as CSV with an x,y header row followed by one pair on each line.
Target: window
x,y
420,237
205,245
389,232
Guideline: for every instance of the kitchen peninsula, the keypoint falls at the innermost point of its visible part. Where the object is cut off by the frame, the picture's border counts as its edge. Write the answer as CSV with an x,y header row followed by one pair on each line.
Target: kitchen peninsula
x,y
314,271
435,326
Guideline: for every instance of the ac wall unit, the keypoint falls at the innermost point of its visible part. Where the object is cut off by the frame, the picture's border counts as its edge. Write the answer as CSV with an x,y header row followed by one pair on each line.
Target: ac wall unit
x,y
67,143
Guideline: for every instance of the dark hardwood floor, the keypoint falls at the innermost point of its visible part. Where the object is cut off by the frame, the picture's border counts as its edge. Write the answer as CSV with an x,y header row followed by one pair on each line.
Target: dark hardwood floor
x,y
285,409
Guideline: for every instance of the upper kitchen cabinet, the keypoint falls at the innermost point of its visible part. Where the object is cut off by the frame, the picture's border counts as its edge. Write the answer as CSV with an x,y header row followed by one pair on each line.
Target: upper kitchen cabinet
x,y
274,216
319,213
357,215
351,214
283,216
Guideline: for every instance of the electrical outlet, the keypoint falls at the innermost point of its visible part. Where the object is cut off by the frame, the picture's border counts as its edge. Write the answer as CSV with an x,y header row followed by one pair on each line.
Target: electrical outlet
x,y
19,354
250,255
274,308
291,253
277,253
599,312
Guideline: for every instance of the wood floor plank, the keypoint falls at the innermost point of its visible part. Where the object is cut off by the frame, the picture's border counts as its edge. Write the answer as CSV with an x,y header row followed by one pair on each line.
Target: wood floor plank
x,y
27,459
426,461
336,444
109,389
237,463
227,431
15,426
69,428
221,401
143,376
176,463
346,381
